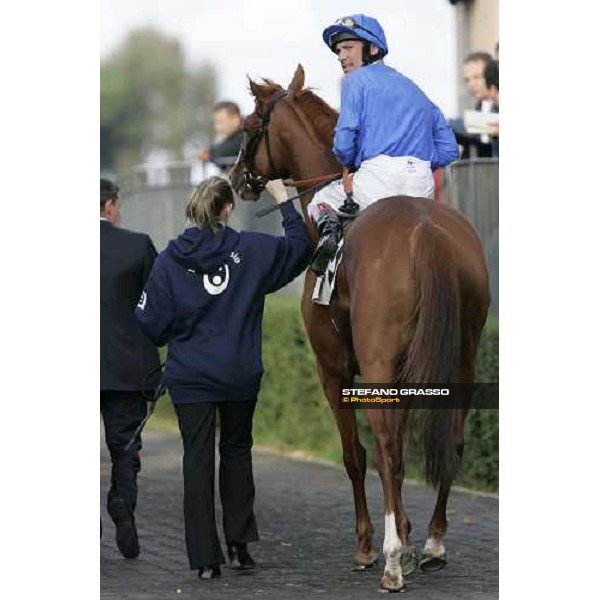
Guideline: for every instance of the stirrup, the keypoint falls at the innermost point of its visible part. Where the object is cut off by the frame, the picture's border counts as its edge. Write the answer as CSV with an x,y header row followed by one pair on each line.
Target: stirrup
x,y
349,208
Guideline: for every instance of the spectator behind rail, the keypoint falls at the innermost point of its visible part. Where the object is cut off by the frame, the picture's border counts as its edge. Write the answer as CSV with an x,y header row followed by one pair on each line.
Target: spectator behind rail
x,y
227,120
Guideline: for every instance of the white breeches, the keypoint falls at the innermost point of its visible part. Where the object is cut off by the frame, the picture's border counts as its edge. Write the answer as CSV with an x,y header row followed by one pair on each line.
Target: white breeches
x,y
379,177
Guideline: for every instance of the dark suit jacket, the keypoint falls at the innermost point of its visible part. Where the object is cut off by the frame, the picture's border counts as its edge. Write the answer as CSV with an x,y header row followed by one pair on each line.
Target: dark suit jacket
x,y
126,355
223,153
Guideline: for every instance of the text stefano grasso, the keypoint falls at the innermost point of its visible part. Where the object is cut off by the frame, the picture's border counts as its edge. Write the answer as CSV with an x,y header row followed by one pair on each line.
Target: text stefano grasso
x,y
405,391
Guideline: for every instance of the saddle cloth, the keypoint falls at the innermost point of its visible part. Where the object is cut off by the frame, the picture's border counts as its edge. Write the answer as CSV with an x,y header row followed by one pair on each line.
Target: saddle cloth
x,y
325,284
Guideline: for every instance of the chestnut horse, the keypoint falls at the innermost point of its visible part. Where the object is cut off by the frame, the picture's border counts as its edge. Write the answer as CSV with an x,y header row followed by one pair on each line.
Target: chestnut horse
x,y
412,298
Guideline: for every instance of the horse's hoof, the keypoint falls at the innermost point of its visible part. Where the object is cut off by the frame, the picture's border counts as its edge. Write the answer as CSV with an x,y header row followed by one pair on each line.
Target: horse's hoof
x,y
429,562
362,562
389,583
408,560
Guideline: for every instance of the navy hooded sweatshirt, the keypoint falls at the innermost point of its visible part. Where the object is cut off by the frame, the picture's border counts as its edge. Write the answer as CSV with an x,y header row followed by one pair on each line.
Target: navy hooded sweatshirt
x,y
205,299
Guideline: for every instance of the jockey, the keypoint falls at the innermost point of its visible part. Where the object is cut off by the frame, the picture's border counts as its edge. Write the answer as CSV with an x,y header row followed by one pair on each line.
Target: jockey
x,y
388,130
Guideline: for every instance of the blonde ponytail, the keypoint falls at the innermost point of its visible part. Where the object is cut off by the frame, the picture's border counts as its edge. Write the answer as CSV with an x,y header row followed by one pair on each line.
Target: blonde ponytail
x,y
208,201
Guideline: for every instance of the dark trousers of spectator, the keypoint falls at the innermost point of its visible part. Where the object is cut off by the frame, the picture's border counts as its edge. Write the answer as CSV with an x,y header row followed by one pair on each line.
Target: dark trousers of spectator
x,y
122,412
236,480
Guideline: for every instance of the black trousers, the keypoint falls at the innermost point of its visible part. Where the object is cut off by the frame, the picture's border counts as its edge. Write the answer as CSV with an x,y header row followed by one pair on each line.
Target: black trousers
x,y
236,481
122,412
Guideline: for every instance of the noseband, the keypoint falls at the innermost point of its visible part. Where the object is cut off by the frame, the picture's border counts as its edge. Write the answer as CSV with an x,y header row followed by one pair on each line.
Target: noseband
x,y
256,182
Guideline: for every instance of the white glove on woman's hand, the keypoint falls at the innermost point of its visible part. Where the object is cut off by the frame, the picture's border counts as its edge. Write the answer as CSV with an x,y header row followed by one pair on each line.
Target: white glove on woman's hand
x,y
277,190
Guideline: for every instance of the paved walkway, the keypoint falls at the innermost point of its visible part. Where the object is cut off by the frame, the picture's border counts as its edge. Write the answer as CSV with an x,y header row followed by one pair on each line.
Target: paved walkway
x,y
306,522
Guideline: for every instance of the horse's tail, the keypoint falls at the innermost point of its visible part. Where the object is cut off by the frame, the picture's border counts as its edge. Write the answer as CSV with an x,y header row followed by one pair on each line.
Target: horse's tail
x,y
434,353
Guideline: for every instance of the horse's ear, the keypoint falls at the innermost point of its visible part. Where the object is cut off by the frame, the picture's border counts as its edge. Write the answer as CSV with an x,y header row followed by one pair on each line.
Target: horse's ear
x,y
261,91
297,83
255,88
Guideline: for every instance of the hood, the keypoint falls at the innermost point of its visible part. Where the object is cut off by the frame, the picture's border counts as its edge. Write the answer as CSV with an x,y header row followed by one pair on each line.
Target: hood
x,y
201,249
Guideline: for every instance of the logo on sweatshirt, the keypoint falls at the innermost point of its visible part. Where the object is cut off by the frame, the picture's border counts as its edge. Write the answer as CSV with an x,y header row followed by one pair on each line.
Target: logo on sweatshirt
x,y
142,302
216,283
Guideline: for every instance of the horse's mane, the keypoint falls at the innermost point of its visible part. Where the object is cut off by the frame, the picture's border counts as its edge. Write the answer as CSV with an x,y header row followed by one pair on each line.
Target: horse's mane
x,y
316,110
319,113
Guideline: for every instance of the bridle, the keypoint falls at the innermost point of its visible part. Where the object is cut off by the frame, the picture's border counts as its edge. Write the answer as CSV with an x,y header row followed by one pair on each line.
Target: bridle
x,y
248,152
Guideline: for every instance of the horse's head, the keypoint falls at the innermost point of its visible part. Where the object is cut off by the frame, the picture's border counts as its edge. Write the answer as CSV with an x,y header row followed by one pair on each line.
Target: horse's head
x,y
260,158
268,134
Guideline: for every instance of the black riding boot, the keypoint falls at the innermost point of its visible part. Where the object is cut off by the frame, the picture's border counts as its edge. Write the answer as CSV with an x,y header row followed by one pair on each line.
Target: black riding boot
x,y
330,233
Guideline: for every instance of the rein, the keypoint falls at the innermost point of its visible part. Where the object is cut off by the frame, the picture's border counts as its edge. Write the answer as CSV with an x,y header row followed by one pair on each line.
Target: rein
x,y
312,180
325,180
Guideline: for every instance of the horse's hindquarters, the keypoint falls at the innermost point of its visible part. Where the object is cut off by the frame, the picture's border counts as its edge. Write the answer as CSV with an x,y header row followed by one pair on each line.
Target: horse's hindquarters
x,y
381,288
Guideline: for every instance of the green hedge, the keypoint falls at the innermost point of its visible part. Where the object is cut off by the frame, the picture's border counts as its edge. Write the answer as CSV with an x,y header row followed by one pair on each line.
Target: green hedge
x,y
304,422
480,462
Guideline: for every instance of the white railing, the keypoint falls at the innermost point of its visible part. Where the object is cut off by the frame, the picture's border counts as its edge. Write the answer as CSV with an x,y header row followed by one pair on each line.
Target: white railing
x,y
169,174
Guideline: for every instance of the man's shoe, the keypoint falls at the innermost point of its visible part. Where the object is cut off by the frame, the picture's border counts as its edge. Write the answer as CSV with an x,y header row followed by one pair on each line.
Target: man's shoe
x,y
127,537
209,572
239,557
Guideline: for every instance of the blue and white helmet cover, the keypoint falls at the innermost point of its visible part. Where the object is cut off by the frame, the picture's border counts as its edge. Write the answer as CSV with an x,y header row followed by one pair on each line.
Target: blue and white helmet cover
x,y
360,26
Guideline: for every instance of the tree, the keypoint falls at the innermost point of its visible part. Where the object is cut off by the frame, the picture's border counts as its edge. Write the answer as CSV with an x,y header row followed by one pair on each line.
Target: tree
x,y
149,98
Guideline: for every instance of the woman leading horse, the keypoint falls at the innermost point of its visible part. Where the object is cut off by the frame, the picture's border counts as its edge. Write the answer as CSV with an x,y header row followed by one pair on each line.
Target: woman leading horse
x,y
411,300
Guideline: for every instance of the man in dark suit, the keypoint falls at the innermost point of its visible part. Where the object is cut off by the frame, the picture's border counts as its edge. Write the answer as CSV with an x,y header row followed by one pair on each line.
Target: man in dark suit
x,y
126,359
